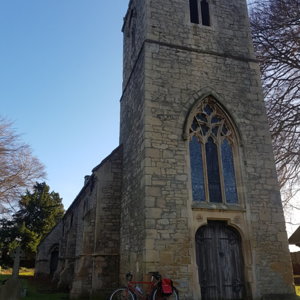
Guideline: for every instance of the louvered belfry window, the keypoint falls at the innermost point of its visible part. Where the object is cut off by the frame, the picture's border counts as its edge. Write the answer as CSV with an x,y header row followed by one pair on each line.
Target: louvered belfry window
x,y
199,9
205,13
212,145
194,12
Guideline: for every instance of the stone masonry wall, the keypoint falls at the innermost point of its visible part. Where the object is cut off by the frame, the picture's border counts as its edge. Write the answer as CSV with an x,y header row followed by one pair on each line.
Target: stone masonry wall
x,y
174,75
134,30
136,213
68,247
89,235
132,232
106,249
182,64
82,282
170,178
228,34
98,234
42,263
132,206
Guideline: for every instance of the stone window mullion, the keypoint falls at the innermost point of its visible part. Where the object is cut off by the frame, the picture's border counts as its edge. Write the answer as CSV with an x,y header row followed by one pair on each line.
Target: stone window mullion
x,y
219,143
236,164
205,172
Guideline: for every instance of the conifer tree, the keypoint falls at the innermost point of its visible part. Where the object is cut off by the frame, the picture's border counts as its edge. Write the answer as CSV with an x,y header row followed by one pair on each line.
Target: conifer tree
x,y
39,211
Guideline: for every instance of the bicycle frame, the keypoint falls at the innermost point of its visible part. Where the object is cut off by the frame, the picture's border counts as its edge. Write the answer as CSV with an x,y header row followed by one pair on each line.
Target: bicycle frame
x,y
153,291
131,285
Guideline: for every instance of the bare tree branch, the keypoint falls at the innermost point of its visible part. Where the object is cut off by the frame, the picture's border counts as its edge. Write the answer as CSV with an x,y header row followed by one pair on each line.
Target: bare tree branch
x,y
275,28
19,168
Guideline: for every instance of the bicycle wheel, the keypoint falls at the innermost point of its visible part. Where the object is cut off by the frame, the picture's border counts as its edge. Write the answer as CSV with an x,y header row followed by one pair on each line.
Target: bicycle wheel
x,y
158,295
122,294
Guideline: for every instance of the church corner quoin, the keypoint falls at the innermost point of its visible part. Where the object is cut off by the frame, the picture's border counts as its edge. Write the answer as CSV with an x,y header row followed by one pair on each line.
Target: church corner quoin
x,y
191,191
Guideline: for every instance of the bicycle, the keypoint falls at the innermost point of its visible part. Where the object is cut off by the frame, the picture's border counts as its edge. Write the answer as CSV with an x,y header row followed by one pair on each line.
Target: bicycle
x,y
133,290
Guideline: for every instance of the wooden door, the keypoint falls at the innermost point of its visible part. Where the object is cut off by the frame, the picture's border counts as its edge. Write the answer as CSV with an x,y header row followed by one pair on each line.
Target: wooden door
x,y
220,262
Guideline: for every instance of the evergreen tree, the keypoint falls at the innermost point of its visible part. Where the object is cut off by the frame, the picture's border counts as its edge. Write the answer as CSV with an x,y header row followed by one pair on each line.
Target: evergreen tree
x,y
8,234
39,211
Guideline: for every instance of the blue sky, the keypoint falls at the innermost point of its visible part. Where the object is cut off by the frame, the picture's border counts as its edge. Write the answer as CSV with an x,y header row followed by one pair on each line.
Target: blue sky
x,y
60,82
61,76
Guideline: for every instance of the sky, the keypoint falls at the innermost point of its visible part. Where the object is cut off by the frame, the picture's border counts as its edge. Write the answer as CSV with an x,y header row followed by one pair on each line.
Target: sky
x,y
60,82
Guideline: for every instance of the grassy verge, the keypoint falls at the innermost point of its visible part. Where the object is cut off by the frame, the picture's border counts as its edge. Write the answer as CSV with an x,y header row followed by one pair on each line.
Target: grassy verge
x,y
297,289
22,272
37,289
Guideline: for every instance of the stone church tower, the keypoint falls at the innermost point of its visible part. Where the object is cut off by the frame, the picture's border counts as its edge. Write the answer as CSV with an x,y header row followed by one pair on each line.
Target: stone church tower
x,y
200,199
191,191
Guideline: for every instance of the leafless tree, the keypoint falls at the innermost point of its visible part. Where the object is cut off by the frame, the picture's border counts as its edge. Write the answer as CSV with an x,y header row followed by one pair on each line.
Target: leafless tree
x,y
275,28
19,169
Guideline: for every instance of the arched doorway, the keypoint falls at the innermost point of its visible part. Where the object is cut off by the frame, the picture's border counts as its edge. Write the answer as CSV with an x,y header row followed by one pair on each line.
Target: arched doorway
x,y
53,260
220,262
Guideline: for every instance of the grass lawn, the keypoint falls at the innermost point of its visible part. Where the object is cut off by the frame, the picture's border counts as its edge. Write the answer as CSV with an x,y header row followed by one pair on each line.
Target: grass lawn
x,y
37,289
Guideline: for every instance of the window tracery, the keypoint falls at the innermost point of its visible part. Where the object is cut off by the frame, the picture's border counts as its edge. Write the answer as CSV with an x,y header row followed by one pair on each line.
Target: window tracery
x,y
212,146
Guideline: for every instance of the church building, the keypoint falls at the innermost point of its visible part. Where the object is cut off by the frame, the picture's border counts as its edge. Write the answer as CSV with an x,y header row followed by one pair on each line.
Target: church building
x,y
192,189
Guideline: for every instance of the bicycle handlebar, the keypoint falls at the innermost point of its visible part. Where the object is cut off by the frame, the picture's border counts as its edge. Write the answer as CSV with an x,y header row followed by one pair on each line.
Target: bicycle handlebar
x,y
156,275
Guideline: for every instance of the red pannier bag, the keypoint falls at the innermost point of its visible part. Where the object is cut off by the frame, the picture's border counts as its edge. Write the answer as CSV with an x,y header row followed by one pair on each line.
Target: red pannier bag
x,y
167,286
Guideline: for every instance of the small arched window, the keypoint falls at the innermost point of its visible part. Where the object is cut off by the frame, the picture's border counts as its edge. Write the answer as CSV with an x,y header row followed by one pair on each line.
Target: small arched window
x,y
212,145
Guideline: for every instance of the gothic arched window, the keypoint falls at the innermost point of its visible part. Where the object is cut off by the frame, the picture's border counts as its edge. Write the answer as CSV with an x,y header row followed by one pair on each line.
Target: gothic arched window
x,y
212,145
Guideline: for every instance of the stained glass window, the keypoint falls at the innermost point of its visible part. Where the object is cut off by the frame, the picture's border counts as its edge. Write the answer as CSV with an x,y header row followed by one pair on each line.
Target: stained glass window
x,y
228,173
211,155
197,170
213,171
